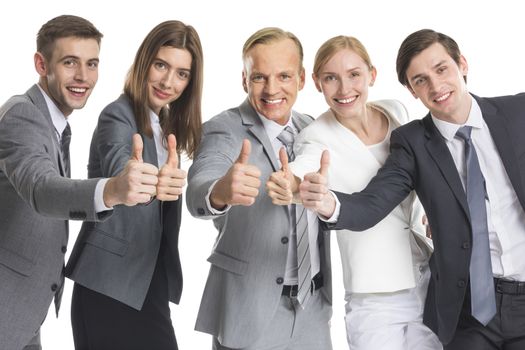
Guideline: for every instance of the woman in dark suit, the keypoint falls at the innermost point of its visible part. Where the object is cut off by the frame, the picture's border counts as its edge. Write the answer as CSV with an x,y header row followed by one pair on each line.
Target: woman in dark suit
x,y
127,269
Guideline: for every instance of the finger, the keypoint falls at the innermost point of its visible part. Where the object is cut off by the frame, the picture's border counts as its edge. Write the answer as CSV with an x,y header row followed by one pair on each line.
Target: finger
x,y
136,148
325,163
173,157
245,152
283,157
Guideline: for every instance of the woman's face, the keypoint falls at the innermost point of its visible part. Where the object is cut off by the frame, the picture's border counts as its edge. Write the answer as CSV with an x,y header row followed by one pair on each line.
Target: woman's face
x,y
168,76
344,82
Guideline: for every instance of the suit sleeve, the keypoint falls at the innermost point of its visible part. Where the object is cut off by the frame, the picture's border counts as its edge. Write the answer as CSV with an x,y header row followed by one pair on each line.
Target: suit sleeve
x,y
393,182
113,138
27,160
216,154
308,147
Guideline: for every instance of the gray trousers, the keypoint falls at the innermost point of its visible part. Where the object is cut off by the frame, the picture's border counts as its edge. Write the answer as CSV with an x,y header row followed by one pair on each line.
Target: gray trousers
x,y
295,328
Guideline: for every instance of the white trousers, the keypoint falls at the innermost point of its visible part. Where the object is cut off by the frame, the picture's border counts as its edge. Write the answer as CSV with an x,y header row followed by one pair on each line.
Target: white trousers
x,y
390,321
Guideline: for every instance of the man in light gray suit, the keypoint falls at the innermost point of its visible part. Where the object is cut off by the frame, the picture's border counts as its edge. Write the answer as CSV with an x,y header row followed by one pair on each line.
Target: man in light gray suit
x,y
37,196
255,297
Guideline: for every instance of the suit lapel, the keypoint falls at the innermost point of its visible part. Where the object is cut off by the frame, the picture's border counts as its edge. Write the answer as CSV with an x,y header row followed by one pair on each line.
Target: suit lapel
x,y
35,95
256,128
501,137
438,150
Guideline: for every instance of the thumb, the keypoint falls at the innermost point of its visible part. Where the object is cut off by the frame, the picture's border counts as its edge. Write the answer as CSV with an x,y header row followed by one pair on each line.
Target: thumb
x,y
283,157
325,163
245,152
173,157
136,148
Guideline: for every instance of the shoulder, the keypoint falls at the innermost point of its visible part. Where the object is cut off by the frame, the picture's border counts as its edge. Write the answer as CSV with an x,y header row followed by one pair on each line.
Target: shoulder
x,y
510,101
393,109
118,110
226,119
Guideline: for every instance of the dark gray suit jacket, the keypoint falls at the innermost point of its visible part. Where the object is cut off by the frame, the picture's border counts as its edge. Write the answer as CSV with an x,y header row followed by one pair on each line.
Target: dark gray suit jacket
x,y
249,257
117,257
36,202
420,160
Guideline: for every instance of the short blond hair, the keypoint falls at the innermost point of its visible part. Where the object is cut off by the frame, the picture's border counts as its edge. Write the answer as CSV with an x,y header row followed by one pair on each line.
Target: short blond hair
x,y
336,44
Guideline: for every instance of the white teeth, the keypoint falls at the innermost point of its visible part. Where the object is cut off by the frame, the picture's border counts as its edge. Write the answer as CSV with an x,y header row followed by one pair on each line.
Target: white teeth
x,y
78,90
273,102
443,98
346,100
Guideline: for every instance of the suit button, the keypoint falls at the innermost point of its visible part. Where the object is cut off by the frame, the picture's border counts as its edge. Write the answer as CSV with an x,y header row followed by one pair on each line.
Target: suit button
x,y
279,280
461,283
54,287
200,211
284,240
63,249
465,245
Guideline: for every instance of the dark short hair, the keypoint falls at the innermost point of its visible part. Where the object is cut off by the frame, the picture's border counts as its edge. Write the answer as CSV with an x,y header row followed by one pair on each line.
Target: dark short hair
x,y
419,41
63,27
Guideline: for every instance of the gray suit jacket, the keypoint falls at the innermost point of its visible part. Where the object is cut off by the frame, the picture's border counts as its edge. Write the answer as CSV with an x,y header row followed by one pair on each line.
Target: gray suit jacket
x,y
36,202
249,258
117,257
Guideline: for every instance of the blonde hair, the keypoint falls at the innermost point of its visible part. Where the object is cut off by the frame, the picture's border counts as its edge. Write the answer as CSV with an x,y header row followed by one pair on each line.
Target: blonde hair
x,y
336,44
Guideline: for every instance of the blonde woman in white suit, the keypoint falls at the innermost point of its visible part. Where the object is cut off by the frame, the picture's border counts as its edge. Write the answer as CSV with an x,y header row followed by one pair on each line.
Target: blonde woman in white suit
x,y
385,268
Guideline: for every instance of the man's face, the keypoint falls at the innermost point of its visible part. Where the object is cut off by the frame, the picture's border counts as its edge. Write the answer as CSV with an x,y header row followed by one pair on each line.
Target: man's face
x,y
437,80
272,77
71,73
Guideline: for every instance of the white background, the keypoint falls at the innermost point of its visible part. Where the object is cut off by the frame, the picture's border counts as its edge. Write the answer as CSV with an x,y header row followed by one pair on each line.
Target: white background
x,y
490,34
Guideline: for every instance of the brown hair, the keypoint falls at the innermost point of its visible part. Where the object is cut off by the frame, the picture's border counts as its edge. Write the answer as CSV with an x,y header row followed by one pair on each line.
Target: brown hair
x,y
63,27
269,35
181,117
419,41
336,44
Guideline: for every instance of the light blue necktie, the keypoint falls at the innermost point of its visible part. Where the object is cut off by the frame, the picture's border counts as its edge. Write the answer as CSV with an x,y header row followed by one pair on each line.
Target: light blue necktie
x,y
482,295
304,264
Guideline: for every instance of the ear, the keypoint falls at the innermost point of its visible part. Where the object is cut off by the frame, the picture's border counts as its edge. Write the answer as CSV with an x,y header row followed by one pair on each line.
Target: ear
x,y
463,65
373,75
40,64
317,83
301,79
244,83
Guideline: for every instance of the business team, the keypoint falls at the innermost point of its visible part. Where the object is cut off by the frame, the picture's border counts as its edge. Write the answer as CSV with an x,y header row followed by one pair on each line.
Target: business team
x,y
269,285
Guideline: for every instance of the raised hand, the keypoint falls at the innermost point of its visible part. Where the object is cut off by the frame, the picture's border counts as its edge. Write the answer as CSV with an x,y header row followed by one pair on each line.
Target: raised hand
x,y
136,183
240,185
313,190
171,179
282,184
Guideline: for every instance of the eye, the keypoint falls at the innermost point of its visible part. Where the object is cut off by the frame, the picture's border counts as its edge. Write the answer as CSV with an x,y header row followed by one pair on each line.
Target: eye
x,y
257,78
184,75
93,65
355,74
285,77
70,63
442,69
329,78
160,65
419,81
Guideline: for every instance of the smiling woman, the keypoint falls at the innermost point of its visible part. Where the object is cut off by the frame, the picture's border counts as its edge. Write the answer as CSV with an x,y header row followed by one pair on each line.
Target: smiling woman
x,y
127,269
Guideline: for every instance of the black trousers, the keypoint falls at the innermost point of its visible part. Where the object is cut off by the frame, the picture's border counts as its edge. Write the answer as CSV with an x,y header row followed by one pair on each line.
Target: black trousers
x,y
506,331
102,323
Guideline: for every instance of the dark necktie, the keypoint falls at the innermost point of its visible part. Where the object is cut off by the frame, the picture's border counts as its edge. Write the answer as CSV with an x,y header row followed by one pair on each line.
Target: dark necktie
x,y
304,265
65,140
482,295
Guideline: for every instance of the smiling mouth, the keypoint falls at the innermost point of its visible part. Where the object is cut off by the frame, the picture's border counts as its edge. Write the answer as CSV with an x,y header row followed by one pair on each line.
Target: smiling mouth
x,y
77,90
275,101
443,97
344,101
161,94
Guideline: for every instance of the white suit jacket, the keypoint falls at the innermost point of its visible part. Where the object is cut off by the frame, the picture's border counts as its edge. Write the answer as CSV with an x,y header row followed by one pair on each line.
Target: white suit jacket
x,y
379,259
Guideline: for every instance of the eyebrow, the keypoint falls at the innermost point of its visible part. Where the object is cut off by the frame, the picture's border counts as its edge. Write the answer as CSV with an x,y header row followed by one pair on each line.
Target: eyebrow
x,y
347,71
73,57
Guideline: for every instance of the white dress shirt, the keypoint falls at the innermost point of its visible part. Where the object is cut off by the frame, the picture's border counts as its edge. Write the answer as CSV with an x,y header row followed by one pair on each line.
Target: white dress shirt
x,y
505,216
60,122
158,136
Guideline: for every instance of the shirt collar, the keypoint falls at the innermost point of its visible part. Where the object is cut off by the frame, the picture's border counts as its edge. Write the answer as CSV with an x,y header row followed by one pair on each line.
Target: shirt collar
x,y
153,117
272,128
449,130
57,117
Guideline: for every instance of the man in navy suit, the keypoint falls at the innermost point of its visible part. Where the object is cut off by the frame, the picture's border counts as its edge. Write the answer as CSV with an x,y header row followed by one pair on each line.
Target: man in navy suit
x,y
434,157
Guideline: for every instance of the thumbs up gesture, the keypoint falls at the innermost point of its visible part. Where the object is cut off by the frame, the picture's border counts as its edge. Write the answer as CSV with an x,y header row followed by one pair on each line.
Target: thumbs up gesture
x,y
240,185
136,183
171,179
282,184
313,191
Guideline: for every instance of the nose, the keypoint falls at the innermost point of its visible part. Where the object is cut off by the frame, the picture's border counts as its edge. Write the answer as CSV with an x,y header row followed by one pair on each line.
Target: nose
x,y
271,87
81,73
167,79
345,85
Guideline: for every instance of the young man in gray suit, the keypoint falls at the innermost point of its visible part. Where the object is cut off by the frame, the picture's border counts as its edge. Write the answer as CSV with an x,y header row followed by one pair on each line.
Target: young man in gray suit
x,y
465,160
259,294
37,195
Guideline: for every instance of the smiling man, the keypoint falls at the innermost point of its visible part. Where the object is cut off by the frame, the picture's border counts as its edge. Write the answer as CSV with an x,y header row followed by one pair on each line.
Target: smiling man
x,y
37,196
267,288
465,162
